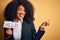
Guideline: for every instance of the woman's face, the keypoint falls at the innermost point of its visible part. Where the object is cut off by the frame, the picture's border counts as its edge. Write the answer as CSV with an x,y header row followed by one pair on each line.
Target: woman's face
x,y
21,12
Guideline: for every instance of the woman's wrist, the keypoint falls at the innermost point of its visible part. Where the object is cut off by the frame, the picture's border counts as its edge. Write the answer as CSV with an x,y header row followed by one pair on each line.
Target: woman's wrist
x,y
41,28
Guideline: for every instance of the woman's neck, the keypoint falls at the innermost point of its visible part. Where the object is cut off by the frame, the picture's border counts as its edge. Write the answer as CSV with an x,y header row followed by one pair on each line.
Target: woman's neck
x,y
16,19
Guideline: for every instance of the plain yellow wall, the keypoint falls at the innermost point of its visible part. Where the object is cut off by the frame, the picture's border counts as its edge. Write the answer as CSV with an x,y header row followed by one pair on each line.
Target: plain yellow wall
x,y
44,10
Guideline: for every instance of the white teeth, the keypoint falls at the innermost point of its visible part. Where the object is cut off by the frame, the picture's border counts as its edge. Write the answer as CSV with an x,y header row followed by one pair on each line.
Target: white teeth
x,y
21,15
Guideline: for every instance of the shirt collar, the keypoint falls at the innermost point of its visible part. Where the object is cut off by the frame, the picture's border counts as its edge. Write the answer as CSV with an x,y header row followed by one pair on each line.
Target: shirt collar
x,y
20,21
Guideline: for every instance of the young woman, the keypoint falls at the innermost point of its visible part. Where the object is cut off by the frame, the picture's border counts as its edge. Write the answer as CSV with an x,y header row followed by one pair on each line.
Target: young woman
x,y
22,13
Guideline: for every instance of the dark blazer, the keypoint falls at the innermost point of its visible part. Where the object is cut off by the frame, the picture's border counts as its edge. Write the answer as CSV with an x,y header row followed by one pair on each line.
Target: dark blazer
x,y
28,32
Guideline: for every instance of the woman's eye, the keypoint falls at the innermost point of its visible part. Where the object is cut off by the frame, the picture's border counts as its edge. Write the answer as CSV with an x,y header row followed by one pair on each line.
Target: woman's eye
x,y
19,9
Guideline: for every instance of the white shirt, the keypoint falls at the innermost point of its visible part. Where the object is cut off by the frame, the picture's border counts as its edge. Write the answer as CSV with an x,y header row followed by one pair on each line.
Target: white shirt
x,y
17,30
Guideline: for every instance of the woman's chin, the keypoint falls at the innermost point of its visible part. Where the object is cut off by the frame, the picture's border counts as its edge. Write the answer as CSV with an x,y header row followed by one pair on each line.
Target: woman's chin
x,y
20,18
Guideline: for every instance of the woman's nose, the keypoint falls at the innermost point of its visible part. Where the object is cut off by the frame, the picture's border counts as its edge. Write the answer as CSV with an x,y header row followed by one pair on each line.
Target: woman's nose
x,y
22,12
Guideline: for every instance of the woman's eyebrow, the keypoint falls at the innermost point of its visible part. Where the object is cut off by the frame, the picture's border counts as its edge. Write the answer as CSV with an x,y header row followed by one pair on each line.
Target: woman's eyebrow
x,y
21,9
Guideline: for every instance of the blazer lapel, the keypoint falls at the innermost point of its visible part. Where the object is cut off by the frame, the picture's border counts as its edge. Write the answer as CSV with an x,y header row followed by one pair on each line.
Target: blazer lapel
x,y
23,30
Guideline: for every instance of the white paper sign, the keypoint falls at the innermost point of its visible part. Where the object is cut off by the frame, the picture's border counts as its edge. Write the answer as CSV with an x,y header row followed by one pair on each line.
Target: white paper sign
x,y
10,24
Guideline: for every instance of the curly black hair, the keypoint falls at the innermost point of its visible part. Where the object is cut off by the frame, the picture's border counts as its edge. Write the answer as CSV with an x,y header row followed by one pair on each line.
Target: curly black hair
x,y
11,9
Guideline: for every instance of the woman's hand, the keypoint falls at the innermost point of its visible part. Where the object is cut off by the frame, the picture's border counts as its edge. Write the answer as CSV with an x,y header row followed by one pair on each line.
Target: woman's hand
x,y
44,24
9,32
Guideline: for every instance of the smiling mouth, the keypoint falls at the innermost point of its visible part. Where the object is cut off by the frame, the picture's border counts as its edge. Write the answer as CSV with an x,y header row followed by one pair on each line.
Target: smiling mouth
x,y
21,15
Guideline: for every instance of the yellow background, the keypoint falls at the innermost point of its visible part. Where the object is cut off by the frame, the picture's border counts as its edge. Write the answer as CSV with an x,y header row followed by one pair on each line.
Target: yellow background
x,y
44,10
